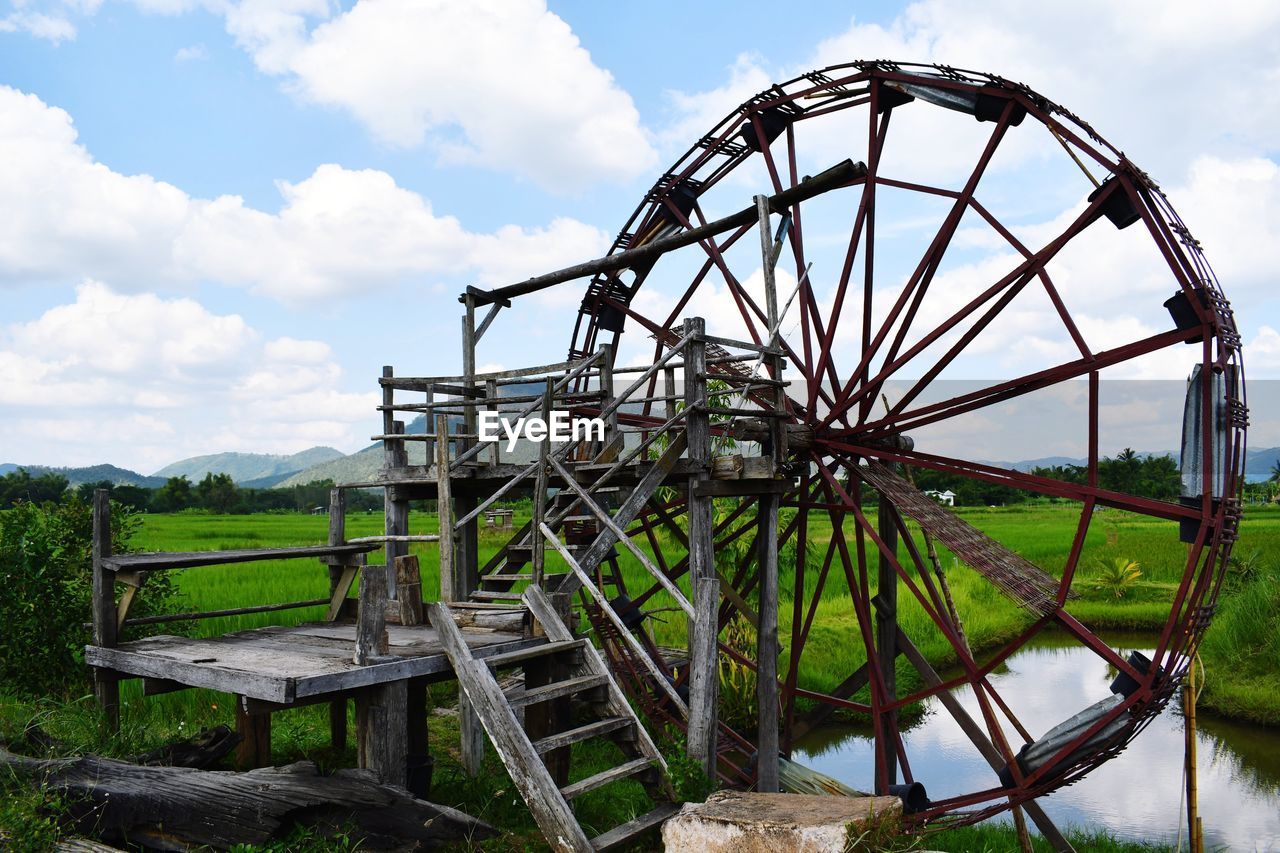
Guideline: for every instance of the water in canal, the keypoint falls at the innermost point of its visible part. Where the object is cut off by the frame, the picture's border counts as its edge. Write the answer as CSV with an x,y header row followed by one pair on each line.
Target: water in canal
x,y
1135,795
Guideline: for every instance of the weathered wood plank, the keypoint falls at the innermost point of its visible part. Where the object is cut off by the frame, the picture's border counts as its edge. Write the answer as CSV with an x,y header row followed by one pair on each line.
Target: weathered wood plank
x,y
604,777
340,589
586,731
160,561
569,687
629,831
221,809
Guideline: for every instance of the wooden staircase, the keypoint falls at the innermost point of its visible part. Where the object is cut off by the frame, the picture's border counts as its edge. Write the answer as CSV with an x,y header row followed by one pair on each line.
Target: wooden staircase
x,y
584,674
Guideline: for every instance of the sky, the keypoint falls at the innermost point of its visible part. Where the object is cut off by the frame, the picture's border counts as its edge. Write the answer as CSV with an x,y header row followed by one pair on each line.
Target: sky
x,y
220,219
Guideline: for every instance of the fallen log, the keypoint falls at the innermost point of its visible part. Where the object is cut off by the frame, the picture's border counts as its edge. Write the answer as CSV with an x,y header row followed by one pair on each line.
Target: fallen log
x,y
177,807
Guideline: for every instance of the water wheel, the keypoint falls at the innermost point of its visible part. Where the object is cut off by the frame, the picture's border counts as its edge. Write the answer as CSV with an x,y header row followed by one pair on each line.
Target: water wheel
x,y
883,343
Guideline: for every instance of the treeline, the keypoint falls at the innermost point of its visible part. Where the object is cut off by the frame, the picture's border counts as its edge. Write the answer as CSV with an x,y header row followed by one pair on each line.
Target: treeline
x,y
216,493
1146,476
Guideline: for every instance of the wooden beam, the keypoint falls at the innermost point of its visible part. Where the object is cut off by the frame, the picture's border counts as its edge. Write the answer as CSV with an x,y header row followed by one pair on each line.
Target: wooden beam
x,y
704,676
106,683
840,175
767,646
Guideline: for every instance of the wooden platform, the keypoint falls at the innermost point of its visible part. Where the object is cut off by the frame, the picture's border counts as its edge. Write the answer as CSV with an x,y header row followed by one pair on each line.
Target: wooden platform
x,y
294,665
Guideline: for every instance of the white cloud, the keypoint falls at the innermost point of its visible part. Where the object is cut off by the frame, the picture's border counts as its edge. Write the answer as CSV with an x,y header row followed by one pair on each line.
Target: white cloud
x,y
338,232
505,86
54,28
191,53
1134,72
143,380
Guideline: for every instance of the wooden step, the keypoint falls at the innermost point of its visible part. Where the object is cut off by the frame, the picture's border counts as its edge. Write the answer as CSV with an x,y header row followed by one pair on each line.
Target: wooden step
x,y
491,595
533,653
533,695
632,829
520,576
581,733
522,548
613,774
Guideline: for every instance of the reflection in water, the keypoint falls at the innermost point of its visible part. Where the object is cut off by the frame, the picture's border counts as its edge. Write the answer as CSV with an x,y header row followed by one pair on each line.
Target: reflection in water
x,y
1135,795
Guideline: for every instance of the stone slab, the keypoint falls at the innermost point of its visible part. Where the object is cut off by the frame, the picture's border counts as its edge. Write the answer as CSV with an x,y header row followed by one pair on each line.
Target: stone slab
x,y
737,822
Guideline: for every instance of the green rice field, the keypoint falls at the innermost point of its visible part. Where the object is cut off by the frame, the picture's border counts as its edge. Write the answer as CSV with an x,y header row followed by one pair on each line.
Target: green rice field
x,y
1042,534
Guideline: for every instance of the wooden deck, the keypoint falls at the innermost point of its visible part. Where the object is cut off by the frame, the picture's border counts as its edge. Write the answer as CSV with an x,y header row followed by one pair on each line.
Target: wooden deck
x,y
294,665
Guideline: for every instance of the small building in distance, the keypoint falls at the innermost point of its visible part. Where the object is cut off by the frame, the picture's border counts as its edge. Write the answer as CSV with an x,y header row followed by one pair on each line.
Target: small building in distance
x,y
947,498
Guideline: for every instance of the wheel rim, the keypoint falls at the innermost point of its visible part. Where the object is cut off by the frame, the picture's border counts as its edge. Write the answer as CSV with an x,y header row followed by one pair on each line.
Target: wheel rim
x,y
853,335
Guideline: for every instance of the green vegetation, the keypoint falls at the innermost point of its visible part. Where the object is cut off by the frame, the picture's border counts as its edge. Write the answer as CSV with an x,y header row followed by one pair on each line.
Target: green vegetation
x,y
999,838
1117,575
1148,476
45,560
1240,652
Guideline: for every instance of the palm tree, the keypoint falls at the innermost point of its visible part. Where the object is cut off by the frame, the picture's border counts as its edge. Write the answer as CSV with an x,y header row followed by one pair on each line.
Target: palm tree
x,y
1275,472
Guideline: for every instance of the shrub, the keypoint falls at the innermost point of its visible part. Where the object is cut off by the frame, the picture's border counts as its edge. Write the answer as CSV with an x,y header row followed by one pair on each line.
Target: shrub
x,y
1117,575
45,573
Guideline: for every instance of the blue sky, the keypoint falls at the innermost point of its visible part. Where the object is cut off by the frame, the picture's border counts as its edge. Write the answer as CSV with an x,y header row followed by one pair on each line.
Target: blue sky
x,y
226,215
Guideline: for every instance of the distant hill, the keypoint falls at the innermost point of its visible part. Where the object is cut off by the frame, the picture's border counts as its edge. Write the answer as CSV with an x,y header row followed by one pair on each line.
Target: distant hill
x,y
89,474
247,468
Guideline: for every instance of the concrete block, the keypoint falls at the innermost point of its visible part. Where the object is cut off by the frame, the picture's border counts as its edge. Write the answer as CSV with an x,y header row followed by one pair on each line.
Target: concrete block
x,y
737,822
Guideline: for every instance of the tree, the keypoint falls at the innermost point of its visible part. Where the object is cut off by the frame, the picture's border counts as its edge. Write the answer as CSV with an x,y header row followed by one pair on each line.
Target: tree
x,y
46,574
217,493
173,496
1275,472
21,486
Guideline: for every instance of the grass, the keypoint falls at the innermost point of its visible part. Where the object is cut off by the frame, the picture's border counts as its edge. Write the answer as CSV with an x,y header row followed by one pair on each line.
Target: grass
x,y
1001,838
1241,652
1042,533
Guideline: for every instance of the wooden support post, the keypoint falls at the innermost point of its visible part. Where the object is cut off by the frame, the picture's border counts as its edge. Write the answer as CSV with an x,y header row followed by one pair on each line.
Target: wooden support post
x,y
337,581
395,507
255,737
338,724
887,640
382,727
444,510
418,771
608,391
106,683
669,391
704,681
767,541
538,542
767,651
491,395
371,621
409,589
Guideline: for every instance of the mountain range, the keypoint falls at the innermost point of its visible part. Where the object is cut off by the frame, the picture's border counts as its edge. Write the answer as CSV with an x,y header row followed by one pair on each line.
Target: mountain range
x,y
262,471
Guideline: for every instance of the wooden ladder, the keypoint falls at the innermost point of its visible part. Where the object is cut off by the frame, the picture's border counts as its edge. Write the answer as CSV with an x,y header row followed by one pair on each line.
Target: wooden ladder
x,y
523,757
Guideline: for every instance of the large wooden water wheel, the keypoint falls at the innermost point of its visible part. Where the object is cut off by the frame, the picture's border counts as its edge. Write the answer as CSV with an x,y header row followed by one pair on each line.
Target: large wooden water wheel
x,y
870,341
